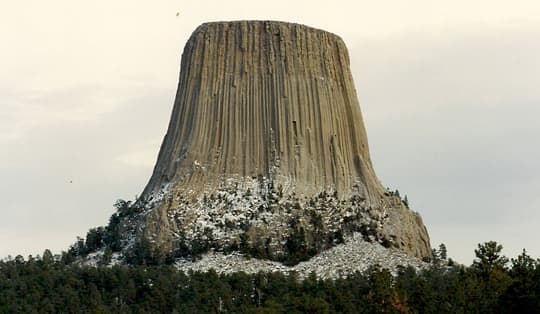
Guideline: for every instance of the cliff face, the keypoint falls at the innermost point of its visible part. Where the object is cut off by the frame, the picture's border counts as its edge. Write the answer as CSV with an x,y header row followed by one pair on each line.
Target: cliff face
x,y
266,99
266,141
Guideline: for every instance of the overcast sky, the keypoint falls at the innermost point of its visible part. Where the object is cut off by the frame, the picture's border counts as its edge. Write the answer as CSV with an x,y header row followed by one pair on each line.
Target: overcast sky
x,y
449,91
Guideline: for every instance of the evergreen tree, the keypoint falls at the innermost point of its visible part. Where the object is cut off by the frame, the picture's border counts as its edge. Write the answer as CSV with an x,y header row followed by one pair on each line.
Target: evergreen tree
x,y
49,285
489,258
48,258
491,266
523,294
406,201
94,239
442,251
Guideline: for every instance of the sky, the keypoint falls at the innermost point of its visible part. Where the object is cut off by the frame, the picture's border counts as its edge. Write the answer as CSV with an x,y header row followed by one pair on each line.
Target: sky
x,y
448,90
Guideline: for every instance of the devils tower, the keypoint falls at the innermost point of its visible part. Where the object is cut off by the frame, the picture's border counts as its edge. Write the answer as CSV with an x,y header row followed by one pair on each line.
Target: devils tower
x,y
266,151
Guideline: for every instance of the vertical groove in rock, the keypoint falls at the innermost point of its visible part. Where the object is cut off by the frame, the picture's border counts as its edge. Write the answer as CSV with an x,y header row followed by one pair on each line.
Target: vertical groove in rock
x,y
240,83
271,100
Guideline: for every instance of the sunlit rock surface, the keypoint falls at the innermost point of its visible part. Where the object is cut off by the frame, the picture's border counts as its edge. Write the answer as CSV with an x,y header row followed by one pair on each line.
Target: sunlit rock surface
x,y
266,142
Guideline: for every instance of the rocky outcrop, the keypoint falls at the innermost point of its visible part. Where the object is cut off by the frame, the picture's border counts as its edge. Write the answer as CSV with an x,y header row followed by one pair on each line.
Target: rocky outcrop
x,y
266,99
266,146
356,255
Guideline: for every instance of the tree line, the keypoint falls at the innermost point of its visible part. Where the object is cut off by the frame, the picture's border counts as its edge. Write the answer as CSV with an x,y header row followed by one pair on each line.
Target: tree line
x,y
492,284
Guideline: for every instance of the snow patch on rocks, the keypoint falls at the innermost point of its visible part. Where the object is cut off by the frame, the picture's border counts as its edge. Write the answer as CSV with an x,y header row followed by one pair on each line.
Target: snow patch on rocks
x,y
355,254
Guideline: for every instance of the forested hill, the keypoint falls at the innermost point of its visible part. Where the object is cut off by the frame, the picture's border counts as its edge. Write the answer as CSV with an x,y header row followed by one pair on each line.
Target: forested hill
x,y
492,284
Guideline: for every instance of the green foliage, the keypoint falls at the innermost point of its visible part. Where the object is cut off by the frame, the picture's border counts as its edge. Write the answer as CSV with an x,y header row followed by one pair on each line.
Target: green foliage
x,y
48,258
124,207
113,234
106,258
94,239
296,247
490,266
108,237
489,258
52,284
46,284
523,294
442,251
310,231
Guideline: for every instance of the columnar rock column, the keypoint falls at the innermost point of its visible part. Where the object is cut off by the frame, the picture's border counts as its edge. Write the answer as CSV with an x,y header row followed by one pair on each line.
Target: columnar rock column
x,y
266,135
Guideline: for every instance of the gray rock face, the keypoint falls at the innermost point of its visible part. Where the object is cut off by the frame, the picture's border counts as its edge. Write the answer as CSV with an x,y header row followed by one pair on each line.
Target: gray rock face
x,y
266,142
266,99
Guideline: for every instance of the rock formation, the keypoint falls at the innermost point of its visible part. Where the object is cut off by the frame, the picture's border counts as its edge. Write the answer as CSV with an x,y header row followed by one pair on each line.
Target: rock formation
x,y
266,151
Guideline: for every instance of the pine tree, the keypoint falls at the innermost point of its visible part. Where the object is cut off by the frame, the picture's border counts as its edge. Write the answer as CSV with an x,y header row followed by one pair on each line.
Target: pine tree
x,y
48,258
442,251
489,257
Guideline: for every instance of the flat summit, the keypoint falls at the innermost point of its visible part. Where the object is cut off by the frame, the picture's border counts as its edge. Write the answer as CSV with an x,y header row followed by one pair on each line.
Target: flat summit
x,y
266,153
